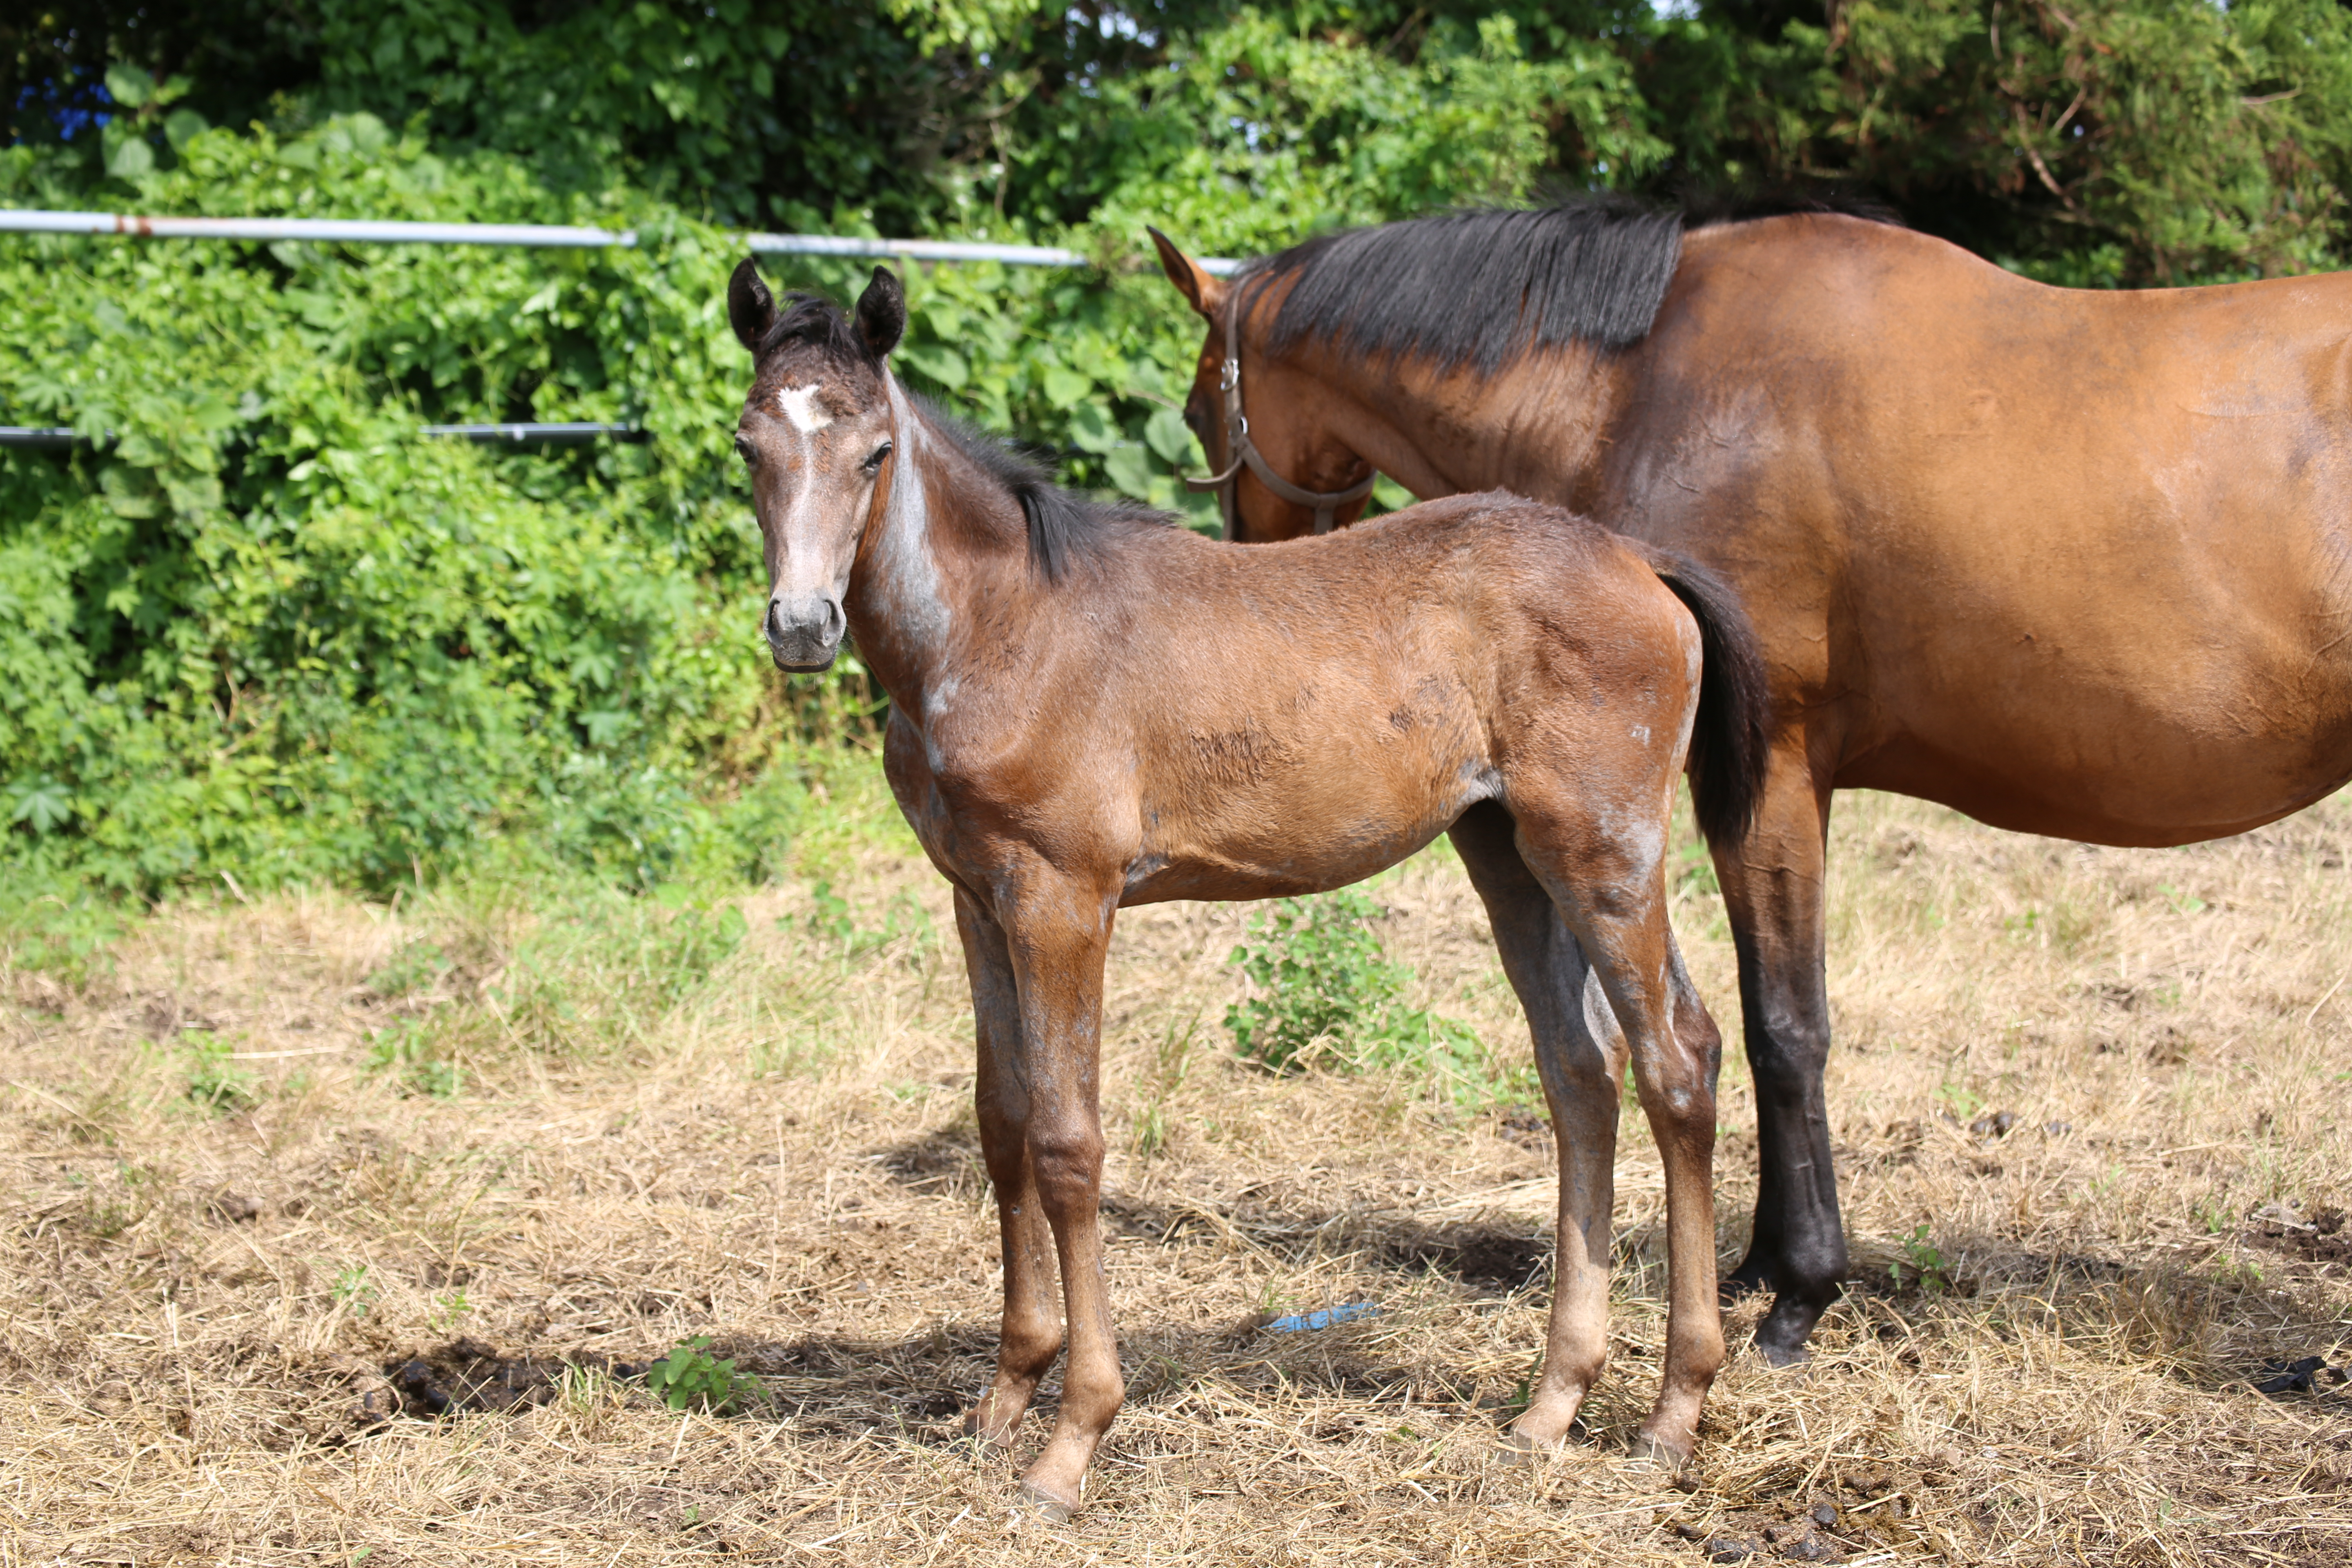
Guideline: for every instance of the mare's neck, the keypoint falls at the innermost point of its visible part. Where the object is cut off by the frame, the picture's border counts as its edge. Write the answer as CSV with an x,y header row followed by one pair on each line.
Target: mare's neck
x,y
944,541
1535,426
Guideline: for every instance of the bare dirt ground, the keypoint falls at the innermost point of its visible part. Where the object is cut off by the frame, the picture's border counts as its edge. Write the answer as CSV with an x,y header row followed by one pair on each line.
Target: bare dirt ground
x,y
340,1234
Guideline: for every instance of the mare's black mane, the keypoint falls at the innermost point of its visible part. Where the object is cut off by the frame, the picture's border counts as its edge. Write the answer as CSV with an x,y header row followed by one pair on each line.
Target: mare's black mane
x,y
1484,286
1064,525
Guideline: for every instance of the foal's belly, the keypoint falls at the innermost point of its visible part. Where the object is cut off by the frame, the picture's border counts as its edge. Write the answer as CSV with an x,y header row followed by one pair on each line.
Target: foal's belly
x,y
1318,823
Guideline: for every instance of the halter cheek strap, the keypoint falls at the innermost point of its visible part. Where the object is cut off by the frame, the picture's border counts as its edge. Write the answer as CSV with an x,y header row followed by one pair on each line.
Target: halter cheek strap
x,y
1326,503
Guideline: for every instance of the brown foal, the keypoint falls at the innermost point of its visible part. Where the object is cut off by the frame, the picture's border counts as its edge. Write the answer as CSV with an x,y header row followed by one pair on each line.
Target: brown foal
x,y
1069,733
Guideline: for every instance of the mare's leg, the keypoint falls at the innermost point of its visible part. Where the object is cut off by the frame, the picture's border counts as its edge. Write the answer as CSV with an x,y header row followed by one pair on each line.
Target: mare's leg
x,y
1607,877
1031,1332
1580,1071
1772,887
1056,932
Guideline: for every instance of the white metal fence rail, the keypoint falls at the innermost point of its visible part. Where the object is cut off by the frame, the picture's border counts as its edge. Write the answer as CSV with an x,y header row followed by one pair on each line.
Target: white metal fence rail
x,y
363,231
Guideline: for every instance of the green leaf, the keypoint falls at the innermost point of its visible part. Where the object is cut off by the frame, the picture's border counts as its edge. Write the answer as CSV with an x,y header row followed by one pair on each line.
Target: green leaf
x,y
938,361
1169,436
42,805
1065,386
1130,470
128,156
128,85
182,126
1092,428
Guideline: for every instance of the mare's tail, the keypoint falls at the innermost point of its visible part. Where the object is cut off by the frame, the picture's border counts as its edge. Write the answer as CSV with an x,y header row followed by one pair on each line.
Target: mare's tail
x,y
1732,733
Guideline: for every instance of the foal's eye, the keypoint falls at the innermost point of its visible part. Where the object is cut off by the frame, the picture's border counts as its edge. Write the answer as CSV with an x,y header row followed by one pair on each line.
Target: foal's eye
x,y
874,463
744,449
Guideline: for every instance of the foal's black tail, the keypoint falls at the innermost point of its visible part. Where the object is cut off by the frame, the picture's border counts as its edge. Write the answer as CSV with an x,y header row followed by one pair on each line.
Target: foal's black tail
x,y
1733,730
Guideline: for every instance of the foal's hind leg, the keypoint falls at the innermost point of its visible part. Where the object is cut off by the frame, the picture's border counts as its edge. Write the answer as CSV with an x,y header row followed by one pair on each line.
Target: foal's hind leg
x,y
1609,882
1580,1071
1031,1332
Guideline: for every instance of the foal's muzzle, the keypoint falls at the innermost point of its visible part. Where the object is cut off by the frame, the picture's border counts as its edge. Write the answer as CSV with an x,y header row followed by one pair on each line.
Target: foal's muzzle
x,y
803,632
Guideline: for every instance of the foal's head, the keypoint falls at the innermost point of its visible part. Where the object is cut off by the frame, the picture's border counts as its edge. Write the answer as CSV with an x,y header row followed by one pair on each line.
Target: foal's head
x,y
817,434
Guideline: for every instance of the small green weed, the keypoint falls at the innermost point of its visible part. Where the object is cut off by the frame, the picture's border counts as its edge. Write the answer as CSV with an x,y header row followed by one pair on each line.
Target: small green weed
x,y
1328,995
1961,1101
355,1291
63,929
690,1377
406,1050
835,924
416,967
1929,1273
2183,902
1694,870
214,1082
1171,1064
445,1309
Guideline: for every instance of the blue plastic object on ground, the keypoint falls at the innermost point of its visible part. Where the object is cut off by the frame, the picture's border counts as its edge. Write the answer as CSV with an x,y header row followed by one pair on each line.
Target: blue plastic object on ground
x,y
1298,1322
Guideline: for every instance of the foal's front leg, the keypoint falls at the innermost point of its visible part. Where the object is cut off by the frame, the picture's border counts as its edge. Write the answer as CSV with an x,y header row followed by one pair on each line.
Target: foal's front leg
x,y
1031,1335
1057,932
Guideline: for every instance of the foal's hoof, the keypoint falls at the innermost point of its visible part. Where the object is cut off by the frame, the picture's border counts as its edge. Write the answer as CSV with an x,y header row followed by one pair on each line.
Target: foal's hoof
x,y
1671,1456
1522,1450
986,1444
1046,1505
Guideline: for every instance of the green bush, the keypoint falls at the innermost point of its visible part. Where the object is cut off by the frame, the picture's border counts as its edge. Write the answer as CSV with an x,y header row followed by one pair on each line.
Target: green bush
x,y
690,1378
1326,995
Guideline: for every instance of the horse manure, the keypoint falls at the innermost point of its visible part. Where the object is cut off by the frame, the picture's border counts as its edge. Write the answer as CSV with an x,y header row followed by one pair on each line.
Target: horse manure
x,y
1824,1514
1476,1255
2298,1376
233,1207
1994,1125
467,1376
2316,1237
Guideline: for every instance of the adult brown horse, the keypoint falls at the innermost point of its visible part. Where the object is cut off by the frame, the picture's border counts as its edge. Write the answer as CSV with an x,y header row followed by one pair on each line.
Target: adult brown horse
x,y
1089,710
2072,563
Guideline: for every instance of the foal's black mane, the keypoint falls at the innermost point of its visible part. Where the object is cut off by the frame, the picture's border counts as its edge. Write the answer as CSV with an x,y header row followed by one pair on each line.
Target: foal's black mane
x,y
1064,525
1480,287
813,319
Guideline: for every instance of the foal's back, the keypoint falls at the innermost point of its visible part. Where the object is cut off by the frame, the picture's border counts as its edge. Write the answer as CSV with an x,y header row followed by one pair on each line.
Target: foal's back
x,y
1375,683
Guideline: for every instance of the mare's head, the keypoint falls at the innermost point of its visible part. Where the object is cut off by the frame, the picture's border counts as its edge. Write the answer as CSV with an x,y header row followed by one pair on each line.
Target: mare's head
x,y
1289,422
1349,340
816,433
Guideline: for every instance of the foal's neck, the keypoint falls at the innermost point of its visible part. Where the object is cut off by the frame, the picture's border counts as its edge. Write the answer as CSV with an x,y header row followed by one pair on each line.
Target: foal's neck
x,y
948,542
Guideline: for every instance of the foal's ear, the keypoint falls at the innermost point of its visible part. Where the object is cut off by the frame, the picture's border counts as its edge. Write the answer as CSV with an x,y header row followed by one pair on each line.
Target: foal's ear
x,y
1202,288
881,314
751,308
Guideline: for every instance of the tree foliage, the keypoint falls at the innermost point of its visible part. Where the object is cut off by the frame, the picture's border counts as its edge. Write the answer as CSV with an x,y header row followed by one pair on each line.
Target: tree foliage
x,y
268,629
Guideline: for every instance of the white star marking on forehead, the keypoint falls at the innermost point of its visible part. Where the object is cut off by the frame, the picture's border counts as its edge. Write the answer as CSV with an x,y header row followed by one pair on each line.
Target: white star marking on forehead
x,y
799,404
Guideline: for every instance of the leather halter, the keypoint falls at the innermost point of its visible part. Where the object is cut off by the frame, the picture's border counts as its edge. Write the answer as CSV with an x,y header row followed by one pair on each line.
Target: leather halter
x,y
1245,451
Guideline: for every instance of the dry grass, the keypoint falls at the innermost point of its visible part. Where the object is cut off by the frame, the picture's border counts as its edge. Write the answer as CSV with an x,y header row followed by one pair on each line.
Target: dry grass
x,y
198,1308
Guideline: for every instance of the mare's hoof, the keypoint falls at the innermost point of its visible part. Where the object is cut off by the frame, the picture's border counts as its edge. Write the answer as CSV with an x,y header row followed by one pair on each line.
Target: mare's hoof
x,y
1046,1506
1780,1355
